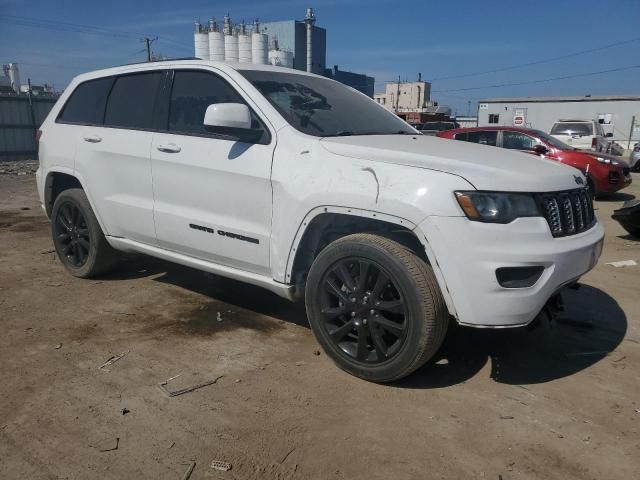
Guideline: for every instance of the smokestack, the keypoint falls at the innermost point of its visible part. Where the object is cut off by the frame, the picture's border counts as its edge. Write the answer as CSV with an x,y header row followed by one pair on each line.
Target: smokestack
x,y
309,19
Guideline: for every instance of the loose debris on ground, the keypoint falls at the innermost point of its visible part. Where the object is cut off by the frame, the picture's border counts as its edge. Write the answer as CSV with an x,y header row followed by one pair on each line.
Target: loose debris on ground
x,y
20,167
113,359
220,465
182,391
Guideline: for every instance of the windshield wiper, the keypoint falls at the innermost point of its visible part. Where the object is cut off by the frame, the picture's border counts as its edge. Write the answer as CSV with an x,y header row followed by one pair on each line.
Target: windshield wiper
x,y
342,133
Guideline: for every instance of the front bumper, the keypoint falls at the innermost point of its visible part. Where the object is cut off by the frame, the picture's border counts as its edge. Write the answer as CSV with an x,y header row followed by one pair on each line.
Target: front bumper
x,y
468,254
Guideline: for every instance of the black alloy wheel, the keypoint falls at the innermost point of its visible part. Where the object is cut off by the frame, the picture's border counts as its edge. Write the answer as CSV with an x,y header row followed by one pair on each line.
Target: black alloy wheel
x,y
363,310
77,236
72,234
375,307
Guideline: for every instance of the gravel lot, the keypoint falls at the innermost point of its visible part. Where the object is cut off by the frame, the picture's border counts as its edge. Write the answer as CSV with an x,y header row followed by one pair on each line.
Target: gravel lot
x,y
557,402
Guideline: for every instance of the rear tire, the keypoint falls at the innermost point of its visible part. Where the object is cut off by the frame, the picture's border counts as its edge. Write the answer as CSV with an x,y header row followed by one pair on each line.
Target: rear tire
x,y
398,319
77,236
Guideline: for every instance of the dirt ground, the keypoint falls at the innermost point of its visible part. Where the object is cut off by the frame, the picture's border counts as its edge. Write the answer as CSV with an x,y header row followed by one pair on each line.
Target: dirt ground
x,y
559,402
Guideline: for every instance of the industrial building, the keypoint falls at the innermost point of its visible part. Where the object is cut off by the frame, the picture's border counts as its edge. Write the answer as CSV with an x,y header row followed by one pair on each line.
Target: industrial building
x,y
298,44
618,114
412,101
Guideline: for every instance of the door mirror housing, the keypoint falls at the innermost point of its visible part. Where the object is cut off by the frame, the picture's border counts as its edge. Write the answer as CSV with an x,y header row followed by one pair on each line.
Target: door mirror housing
x,y
540,149
233,120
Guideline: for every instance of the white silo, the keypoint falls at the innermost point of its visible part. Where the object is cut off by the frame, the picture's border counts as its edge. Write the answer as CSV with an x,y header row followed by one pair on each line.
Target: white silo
x,y
259,46
279,58
216,42
244,45
14,77
201,42
230,41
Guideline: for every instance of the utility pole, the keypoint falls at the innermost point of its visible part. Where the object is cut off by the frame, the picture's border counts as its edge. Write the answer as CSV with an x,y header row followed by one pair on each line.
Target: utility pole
x,y
148,41
31,111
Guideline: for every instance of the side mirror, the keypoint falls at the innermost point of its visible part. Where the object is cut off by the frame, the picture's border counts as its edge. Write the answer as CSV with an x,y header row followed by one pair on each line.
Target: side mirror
x,y
540,149
232,119
609,135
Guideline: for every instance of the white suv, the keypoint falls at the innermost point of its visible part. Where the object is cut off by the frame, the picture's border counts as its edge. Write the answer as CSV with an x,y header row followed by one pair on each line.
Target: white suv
x,y
310,189
581,134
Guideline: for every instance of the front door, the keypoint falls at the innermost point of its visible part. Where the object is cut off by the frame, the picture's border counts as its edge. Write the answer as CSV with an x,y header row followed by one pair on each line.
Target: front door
x,y
212,193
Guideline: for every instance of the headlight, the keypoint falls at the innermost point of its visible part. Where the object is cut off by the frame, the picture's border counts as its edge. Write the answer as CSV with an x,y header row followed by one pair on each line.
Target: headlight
x,y
608,161
497,207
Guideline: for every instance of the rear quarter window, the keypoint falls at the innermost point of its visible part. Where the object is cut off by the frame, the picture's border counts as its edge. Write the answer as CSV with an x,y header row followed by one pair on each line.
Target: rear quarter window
x,y
87,103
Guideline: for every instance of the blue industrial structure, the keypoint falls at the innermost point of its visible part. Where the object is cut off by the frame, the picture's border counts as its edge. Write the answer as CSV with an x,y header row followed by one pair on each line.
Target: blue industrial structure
x,y
292,36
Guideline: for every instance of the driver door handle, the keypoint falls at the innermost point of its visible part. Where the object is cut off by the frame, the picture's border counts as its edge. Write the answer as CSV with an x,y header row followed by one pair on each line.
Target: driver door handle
x,y
168,148
92,139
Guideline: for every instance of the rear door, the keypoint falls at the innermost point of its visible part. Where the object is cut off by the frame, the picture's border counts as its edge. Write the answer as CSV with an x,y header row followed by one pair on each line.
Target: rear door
x,y
213,193
482,137
113,157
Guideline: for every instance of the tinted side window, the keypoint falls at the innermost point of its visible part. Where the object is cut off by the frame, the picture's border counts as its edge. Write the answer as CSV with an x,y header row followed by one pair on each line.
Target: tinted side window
x,y
483,138
461,136
517,141
191,94
132,99
87,102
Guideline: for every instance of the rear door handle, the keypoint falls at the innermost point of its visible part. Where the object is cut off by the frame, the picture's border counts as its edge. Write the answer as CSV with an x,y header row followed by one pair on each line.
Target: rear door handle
x,y
168,148
92,139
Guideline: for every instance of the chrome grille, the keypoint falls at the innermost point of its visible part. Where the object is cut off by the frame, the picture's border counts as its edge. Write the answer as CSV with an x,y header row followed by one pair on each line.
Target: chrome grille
x,y
569,212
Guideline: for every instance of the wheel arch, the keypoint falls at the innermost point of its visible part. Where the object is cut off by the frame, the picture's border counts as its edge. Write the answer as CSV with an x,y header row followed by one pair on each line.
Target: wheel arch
x,y
61,179
55,183
325,224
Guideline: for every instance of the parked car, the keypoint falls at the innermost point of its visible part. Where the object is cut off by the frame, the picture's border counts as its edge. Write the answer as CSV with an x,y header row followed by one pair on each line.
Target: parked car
x,y
605,173
581,134
303,186
628,216
634,158
432,128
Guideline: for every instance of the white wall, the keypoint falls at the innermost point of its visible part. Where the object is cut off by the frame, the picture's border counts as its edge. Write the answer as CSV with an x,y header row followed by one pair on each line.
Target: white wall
x,y
542,115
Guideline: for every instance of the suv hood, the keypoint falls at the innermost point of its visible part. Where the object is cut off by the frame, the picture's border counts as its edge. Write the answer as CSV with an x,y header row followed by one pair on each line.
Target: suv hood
x,y
485,167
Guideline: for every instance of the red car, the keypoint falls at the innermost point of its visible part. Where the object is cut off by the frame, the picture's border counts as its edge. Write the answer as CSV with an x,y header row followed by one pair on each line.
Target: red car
x,y
605,173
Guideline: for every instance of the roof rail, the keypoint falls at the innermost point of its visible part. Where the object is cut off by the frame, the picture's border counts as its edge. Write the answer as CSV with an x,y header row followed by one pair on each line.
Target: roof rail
x,y
160,60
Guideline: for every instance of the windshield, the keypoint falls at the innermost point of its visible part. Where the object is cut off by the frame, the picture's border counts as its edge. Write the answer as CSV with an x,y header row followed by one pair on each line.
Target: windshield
x,y
323,107
545,137
572,128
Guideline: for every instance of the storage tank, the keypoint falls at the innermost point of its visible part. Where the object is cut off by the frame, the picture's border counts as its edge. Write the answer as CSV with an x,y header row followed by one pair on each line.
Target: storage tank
x,y
230,41
279,58
231,48
244,45
259,45
216,42
201,42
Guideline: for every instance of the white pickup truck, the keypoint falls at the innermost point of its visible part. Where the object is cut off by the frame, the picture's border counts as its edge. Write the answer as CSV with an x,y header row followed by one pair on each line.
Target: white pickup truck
x,y
581,134
308,188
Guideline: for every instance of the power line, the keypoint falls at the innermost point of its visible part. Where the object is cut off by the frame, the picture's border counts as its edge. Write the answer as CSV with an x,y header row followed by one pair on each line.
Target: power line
x,y
66,26
542,80
538,62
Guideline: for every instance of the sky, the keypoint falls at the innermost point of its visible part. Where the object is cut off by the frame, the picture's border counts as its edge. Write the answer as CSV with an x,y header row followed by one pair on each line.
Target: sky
x,y
469,49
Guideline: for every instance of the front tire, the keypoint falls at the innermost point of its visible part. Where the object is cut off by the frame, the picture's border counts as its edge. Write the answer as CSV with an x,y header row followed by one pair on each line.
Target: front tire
x,y
375,307
77,236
